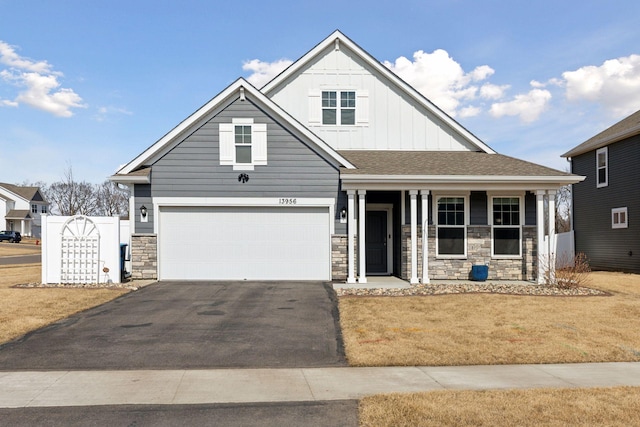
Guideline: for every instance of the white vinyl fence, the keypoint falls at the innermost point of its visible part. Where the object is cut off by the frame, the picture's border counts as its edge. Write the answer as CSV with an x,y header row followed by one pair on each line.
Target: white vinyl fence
x,y
81,249
565,249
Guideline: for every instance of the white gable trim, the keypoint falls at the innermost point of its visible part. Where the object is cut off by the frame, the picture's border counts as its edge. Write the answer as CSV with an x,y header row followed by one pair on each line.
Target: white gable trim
x,y
241,85
339,39
10,195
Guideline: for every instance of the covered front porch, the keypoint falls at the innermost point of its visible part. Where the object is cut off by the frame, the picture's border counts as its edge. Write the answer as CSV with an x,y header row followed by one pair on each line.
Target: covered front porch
x,y
19,220
433,215
424,236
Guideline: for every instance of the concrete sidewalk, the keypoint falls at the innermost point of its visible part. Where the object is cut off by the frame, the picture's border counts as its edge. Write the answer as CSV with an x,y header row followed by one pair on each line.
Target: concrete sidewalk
x,y
173,387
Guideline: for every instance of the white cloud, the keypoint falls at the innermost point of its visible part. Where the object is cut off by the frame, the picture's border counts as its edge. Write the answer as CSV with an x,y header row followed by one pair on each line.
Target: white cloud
x,y
40,86
493,92
441,79
615,84
105,113
263,72
527,106
469,111
8,56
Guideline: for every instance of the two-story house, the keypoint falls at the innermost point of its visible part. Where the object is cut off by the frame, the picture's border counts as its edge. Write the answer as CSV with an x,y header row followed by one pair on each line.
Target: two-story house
x,y
606,202
22,207
335,170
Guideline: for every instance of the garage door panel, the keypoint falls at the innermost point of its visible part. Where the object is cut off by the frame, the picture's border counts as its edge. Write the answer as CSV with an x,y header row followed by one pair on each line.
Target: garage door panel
x,y
252,243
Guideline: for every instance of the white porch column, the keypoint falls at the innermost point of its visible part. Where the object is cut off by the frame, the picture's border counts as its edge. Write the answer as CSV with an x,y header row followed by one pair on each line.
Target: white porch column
x,y
362,249
552,235
424,197
414,237
351,255
542,255
403,213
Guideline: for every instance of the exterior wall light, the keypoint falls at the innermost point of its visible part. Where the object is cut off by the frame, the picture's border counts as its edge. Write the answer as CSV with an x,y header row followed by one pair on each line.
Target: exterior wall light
x,y
343,215
143,214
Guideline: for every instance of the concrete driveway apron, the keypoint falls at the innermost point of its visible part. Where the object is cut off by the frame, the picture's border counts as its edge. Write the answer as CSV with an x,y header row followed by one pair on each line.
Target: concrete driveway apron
x,y
191,325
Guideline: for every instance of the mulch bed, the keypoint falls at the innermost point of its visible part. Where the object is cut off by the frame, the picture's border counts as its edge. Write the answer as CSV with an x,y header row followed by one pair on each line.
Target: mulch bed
x,y
131,285
476,288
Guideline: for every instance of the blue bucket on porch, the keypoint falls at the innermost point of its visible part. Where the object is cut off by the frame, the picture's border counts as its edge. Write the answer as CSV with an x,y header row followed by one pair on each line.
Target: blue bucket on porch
x,y
479,272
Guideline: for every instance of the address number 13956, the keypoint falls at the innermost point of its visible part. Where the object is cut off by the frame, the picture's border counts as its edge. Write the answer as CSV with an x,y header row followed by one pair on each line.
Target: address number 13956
x,y
287,201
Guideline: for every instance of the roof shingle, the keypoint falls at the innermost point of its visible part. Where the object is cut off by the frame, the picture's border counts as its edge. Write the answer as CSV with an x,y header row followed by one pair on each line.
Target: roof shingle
x,y
441,163
625,128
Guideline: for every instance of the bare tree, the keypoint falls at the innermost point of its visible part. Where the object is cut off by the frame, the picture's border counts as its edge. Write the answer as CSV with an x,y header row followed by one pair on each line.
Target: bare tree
x,y
112,199
563,209
69,197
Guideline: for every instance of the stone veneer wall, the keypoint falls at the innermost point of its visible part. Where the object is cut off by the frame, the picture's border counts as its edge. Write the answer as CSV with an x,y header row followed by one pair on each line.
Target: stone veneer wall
x,y
144,256
478,252
339,257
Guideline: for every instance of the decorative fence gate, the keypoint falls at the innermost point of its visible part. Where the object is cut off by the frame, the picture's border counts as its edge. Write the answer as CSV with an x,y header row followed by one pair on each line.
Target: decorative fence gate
x,y
80,251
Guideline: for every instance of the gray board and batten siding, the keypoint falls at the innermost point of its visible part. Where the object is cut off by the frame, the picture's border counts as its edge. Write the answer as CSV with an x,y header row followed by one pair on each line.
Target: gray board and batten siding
x,y
192,168
605,247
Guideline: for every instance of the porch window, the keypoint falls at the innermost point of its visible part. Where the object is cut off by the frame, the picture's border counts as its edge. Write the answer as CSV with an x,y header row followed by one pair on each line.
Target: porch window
x,y
451,228
506,227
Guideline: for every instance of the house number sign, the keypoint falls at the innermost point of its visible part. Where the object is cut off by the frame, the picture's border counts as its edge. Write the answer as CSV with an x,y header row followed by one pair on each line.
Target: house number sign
x,y
287,201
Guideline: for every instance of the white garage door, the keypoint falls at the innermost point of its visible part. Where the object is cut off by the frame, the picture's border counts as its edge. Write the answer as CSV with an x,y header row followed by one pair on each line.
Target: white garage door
x,y
244,243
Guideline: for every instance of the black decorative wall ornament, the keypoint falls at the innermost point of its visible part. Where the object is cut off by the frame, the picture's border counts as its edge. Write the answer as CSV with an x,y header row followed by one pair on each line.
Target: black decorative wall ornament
x,y
243,177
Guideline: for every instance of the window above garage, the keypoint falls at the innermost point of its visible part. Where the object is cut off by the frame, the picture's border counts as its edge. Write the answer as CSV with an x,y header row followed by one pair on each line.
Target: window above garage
x,y
243,144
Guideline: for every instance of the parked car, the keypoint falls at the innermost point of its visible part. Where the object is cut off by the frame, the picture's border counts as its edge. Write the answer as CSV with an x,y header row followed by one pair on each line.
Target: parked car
x,y
12,236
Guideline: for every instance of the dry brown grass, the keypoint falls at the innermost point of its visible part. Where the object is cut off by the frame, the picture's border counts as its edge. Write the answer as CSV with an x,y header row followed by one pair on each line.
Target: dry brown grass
x,y
9,249
471,329
619,406
25,309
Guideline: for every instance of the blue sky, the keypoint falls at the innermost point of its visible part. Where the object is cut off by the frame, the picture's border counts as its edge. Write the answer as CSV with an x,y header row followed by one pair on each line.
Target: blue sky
x,y
91,84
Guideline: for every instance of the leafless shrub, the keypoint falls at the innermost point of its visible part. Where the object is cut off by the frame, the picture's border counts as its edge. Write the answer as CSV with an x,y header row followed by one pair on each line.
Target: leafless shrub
x,y
574,273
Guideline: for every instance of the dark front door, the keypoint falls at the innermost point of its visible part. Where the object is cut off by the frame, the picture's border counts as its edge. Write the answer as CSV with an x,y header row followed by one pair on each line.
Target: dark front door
x,y
376,241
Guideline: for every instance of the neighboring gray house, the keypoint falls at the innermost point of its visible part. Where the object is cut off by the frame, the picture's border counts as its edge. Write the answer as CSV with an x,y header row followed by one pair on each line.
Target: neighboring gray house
x,y
606,205
335,170
21,208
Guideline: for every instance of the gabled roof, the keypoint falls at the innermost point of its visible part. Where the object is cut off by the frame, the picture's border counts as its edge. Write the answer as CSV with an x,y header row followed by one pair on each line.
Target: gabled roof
x,y
342,40
239,88
27,193
625,128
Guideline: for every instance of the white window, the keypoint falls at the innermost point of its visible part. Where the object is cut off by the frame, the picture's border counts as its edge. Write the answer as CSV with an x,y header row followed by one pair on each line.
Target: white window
x,y
347,107
34,208
602,167
619,218
243,144
506,228
451,237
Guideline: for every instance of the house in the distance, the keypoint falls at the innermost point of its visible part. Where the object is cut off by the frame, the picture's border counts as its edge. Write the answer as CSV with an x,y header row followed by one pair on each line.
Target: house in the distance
x,y
335,170
21,208
606,205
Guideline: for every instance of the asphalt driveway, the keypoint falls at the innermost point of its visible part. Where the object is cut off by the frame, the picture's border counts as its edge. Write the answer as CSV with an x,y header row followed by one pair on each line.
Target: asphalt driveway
x,y
191,325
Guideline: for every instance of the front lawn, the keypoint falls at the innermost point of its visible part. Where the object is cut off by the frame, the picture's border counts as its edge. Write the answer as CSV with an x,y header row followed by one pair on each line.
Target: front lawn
x,y
25,309
617,406
477,329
